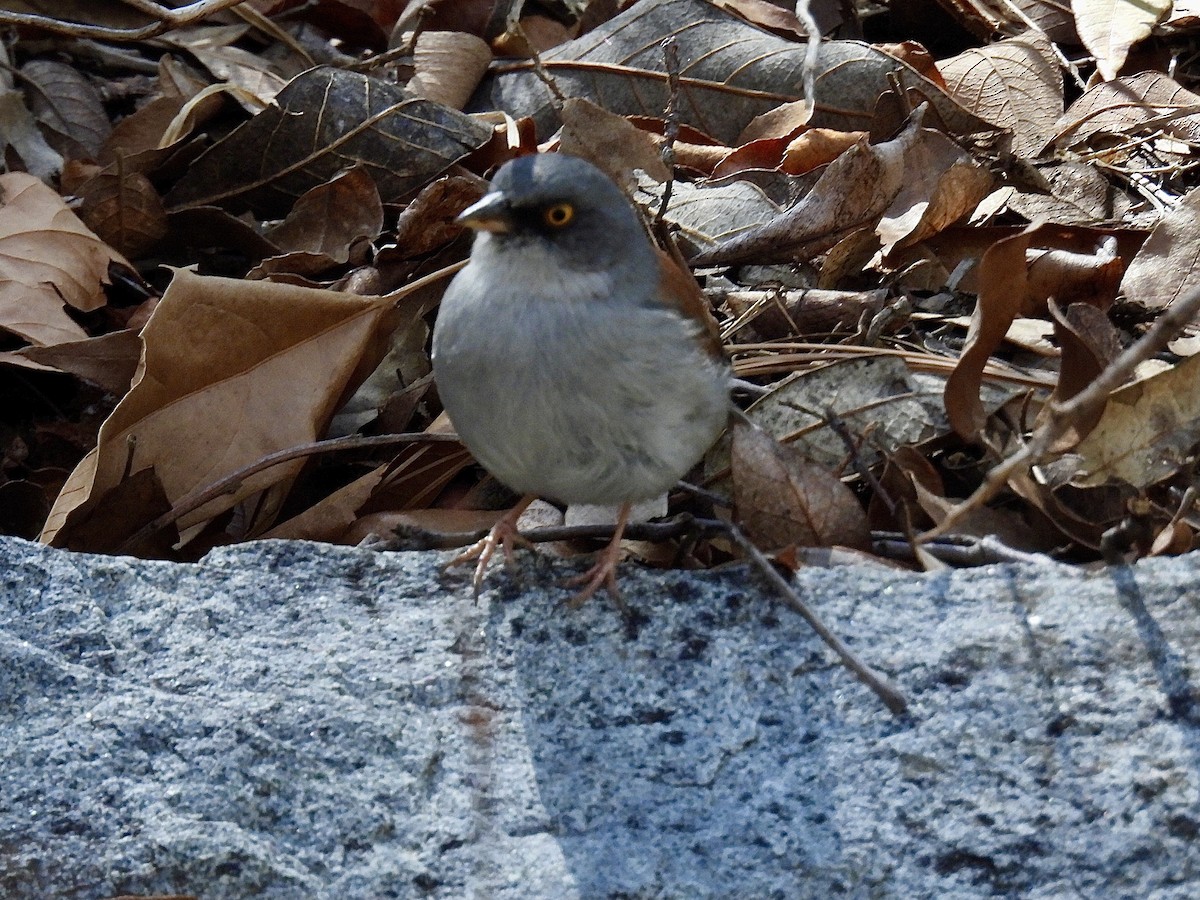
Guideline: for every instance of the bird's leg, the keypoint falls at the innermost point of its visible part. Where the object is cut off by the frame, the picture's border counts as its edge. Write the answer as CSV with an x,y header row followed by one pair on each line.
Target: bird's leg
x,y
604,571
503,534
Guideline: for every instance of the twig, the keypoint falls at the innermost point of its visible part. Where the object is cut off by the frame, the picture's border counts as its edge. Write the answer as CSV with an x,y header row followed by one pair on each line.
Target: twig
x,y
167,20
408,537
804,14
884,689
955,550
670,51
1061,414
539,68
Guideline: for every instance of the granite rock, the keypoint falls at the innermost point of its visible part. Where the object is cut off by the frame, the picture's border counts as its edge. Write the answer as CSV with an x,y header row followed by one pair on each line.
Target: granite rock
x,y
292,720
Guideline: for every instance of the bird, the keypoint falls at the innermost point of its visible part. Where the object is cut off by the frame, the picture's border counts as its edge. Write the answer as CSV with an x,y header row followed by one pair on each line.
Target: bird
x,y
576,360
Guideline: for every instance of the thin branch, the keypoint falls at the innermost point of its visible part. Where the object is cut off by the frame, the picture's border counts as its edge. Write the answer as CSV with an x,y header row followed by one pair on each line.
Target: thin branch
x,y
670,49
167,19
884,689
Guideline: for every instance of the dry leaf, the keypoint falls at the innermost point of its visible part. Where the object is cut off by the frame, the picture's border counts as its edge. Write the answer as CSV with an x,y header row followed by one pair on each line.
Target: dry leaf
x,y
68,104
449,65
1006,290
1168,265
855,189
1015,84
19,131
612,143
108,361
780,498
1148,431
1089,342
1126,105
1109,28
232,371
123,209
326,226
324,120
47,258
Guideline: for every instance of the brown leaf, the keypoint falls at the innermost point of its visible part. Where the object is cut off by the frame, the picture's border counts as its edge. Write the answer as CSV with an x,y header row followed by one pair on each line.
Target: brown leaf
x,y
1002,278
817,147
620,67
123,208
108,361
449,65
47,257
324,226
232,370
855,189
136,140
427,223
1007,290
255,76
1070,276
1148,430
611,142
104,523
1128,104
1110,28
1015,83
1089,342
67,103
905,467
780,498
323,120
1168,265
20,132
943,186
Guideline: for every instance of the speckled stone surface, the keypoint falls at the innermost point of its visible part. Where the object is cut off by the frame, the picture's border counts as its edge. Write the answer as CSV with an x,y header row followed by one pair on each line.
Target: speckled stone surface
x,y
294,720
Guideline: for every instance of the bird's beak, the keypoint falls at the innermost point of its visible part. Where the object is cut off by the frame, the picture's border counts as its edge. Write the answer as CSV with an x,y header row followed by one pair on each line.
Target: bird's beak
x,y
492,213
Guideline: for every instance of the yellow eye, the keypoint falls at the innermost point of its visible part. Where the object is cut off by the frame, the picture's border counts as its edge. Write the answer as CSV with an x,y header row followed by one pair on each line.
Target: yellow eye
x,y
559,214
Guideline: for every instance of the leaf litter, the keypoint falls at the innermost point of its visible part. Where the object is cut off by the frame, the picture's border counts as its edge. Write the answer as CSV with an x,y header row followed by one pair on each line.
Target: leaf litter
x,y
958,281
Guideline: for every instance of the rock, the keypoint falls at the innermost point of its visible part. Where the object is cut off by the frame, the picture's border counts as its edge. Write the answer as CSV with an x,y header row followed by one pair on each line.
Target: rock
x,y
291,720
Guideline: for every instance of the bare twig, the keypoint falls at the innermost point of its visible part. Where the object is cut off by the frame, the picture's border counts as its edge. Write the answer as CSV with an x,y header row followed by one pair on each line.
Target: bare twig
x,y
884,689
670,51
804,14
166,20
415,538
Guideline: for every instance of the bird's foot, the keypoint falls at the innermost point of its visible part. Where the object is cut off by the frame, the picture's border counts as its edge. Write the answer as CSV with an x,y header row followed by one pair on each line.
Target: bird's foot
x,y
503,534
604,571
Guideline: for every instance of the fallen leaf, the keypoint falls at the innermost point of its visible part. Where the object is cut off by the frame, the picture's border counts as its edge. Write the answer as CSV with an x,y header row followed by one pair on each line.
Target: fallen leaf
x,y
1089,342
324,120
1109,28
1168,265
780,498
1015,83
67,103
612,143
122,207
1127,104
1149,429
19,131
325,226
232,370
108,360
48,258
449,65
